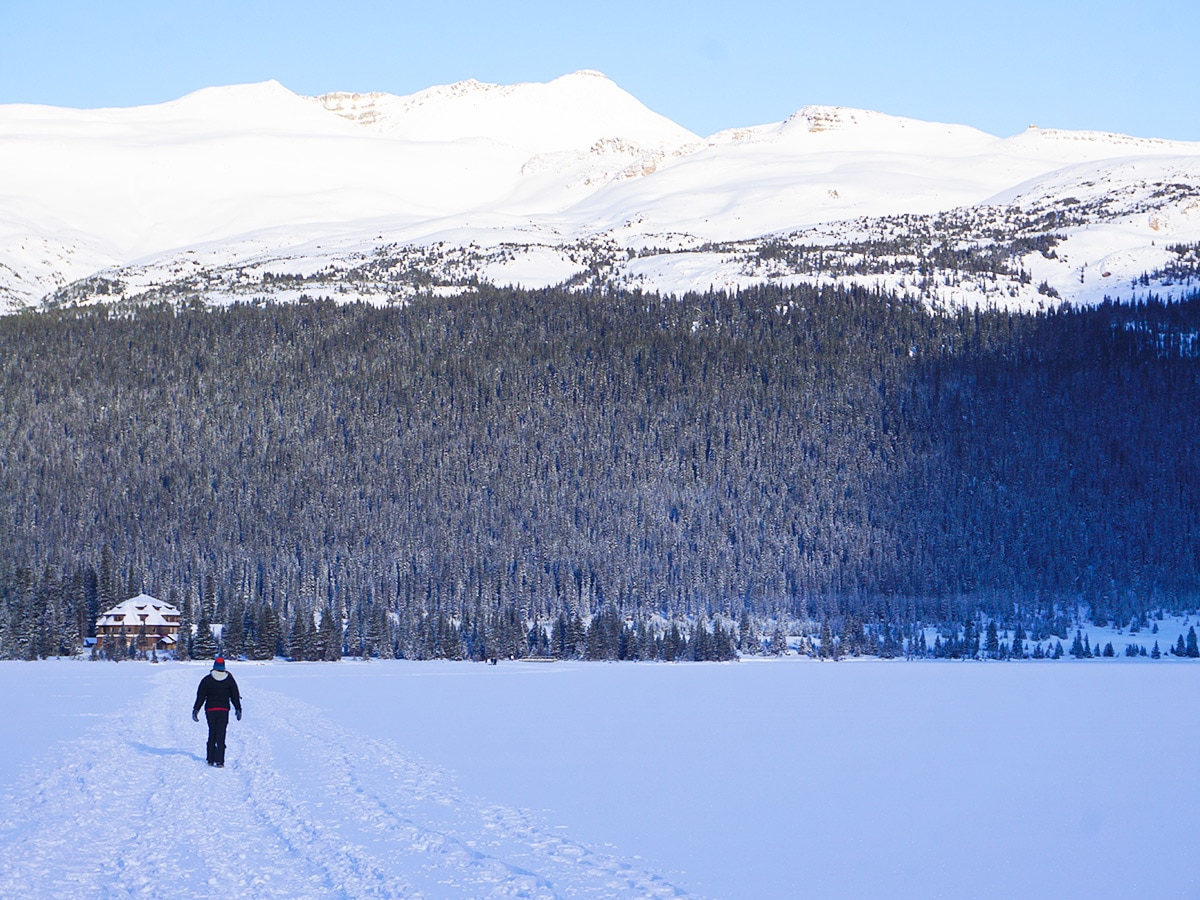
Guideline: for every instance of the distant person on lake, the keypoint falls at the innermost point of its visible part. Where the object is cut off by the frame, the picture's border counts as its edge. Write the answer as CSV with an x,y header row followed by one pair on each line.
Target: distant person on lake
x,y
217,693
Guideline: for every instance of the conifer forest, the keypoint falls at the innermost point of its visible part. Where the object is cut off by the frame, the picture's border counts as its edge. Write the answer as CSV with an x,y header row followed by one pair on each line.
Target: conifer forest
x,y
599,475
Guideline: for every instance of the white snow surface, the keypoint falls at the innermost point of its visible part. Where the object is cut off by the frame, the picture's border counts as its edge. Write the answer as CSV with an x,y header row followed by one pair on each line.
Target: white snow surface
x,y
542,167
756,779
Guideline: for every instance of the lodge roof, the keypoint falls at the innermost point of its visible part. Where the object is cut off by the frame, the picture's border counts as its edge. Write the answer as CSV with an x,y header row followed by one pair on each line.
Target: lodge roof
x,y
135,611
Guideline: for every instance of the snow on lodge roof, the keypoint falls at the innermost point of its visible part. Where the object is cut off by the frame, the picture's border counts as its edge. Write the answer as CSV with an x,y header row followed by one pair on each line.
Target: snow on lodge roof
x,y
133,612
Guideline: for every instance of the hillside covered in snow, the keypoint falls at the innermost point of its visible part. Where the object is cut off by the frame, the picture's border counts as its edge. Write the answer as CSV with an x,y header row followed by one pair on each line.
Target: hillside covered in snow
x,y
253,192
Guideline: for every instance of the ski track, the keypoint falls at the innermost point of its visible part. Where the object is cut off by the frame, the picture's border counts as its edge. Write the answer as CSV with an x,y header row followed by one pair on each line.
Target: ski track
x,y
303,808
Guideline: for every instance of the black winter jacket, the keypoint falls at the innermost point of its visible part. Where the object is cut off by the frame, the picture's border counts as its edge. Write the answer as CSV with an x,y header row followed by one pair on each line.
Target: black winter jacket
x,y
217,693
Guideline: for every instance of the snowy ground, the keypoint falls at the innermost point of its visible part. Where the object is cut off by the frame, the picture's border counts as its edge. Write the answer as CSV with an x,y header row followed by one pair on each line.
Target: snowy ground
x,y
754,779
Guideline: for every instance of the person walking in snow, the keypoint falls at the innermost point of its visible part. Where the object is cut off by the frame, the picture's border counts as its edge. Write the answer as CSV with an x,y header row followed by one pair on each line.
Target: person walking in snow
x,y
217,693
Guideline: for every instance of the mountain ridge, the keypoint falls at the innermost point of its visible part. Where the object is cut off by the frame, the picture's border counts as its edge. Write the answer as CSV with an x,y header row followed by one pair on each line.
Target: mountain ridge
x,y
568,180
585,107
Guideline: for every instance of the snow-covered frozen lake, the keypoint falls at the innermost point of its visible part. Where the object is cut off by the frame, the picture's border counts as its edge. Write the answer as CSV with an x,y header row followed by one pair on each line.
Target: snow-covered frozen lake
x,y
757,779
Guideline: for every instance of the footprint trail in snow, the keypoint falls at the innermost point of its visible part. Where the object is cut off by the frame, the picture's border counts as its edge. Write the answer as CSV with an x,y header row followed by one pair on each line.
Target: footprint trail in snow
x,y
303,808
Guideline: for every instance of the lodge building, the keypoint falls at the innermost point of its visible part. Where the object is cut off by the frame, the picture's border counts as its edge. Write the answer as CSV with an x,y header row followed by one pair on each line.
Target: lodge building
x,y
154,625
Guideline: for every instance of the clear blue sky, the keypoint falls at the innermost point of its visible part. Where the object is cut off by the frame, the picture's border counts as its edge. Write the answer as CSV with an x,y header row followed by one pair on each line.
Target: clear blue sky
x,y
1114,65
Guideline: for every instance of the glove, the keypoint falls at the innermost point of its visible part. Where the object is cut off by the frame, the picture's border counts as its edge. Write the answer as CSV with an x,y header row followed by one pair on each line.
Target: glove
x,y
195,716
238,714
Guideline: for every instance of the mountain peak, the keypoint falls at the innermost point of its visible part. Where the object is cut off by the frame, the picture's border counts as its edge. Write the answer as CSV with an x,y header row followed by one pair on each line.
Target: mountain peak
x,y
259,93
585,73
816,119
264,106
571,112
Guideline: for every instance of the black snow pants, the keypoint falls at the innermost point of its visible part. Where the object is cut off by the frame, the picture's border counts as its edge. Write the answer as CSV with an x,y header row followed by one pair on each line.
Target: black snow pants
x,y
218,721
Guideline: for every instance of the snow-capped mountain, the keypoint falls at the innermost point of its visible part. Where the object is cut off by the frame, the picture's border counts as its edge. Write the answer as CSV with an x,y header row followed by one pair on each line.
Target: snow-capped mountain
x,y
566,114
251,190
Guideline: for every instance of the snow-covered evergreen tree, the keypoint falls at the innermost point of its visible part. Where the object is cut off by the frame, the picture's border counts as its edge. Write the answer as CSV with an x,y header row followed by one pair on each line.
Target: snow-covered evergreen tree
x,y
204,646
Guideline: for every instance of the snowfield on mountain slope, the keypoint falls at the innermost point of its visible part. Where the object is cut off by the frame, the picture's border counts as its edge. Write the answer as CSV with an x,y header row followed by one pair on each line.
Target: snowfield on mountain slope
x,y
223,162
756,779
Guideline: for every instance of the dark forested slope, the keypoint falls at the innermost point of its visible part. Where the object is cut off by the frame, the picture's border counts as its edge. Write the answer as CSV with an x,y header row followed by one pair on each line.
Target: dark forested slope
x,y
434,479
